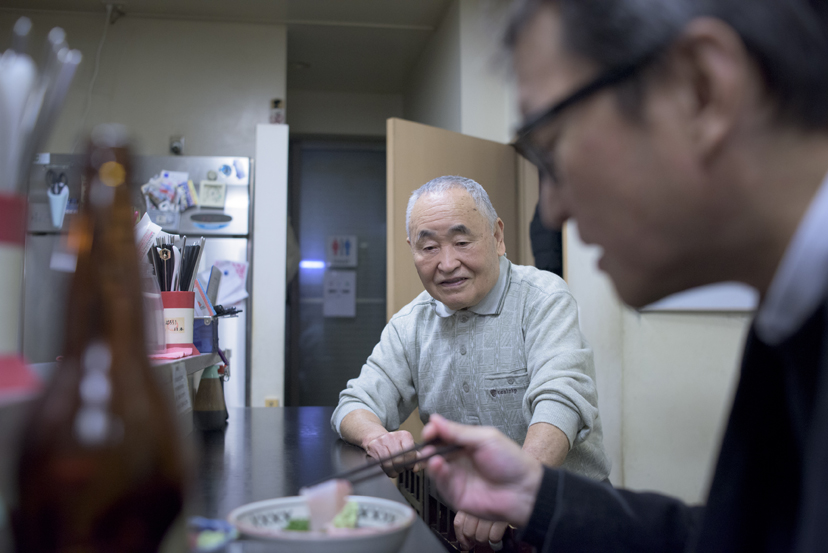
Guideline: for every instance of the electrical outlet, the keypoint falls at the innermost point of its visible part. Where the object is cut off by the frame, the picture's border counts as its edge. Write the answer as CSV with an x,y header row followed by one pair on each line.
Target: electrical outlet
x,y
271,402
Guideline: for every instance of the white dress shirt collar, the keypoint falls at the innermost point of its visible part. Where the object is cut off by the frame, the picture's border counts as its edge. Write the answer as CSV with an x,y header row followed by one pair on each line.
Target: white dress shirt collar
x,y
800,283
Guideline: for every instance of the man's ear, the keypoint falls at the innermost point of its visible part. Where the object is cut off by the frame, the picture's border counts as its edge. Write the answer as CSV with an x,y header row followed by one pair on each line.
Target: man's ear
x,y
714,71
498,236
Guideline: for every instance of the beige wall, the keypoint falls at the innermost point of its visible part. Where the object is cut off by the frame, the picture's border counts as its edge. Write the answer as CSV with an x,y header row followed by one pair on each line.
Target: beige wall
x,y
346,113
461,82
680,371
485,84
211,82
432,95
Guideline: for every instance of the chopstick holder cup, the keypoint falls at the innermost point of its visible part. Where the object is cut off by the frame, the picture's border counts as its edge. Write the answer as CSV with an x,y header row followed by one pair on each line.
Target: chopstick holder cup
x,y
178,319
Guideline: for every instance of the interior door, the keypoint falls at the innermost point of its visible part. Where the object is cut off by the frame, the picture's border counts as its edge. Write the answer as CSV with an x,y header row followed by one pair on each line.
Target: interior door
x,y
416,154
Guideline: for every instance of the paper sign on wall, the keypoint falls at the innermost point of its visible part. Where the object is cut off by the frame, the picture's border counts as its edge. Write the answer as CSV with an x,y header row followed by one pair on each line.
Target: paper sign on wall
x,y
341,251
339,295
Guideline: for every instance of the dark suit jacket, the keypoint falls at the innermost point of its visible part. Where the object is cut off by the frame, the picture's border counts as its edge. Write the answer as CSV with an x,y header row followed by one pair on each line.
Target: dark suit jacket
x,y
547,246
770,488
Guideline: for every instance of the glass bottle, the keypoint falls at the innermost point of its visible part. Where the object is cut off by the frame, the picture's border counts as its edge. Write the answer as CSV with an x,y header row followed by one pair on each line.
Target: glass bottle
x,y
101,466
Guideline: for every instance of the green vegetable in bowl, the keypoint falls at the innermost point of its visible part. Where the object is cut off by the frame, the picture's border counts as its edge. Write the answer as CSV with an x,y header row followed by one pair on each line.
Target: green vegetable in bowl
x,y
298,525
347,517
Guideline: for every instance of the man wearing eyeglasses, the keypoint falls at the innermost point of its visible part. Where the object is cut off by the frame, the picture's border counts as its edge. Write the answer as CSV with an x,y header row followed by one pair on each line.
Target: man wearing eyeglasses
x,y
688,139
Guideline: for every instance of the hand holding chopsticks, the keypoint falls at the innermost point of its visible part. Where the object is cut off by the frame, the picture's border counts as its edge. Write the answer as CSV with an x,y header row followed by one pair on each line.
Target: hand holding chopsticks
x,y
355,475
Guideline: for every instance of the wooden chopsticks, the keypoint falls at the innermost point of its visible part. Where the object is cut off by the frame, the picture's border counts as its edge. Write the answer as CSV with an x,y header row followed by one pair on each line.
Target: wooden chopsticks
x,y
350,474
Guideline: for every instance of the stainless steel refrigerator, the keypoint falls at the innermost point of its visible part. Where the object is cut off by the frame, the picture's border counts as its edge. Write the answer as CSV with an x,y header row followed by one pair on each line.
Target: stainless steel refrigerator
x,y
226,228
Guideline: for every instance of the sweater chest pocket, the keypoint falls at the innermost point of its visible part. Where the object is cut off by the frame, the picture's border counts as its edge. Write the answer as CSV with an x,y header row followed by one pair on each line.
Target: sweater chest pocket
x,y
504,391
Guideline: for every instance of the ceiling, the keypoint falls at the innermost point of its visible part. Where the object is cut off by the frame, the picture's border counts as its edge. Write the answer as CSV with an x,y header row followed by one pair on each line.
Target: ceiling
x,y
333,45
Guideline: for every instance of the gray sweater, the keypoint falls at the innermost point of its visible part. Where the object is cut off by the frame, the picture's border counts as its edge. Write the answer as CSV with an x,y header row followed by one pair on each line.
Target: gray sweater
x,y
514,359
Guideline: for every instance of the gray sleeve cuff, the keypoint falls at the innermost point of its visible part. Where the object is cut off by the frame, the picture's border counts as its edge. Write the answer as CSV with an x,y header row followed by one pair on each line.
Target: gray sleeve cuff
x,y
560,415
342,411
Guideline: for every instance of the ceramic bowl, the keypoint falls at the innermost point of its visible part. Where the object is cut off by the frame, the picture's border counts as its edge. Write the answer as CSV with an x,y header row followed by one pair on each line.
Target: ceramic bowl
x,y
382,526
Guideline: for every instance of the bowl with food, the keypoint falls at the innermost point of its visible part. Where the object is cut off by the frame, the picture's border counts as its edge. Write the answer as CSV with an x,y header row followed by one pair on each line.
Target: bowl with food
x,y
326,518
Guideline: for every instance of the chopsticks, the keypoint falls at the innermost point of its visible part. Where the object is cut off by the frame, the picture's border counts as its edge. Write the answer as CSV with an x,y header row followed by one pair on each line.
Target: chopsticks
x,y
189,265
164,262
349,474
175,262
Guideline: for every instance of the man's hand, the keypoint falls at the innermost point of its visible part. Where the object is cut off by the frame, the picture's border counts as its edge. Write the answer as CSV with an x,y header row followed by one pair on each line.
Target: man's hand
x,y
490,477
390,443
363,428
471,531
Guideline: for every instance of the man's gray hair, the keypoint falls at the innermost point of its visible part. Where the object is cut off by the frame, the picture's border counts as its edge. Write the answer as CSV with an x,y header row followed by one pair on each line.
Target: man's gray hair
x,y
448,182
787,39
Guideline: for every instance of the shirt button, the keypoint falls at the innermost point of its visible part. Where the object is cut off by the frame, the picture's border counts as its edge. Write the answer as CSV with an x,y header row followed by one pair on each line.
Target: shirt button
x,y
465,387
462,350
463,318
511,381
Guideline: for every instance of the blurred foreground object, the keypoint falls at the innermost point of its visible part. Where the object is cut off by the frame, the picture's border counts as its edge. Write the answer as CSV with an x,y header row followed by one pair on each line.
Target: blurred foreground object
x,y
30,102
100,466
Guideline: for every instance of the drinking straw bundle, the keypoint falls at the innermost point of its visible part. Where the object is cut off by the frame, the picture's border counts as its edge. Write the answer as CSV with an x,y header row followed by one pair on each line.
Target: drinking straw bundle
x,y
30,100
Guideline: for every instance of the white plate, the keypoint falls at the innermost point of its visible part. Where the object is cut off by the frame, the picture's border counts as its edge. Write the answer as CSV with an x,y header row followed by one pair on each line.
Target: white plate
x,y
382,526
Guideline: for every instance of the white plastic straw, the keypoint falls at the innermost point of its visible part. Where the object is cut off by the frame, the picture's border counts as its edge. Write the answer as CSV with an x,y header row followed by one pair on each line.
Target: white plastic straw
x,y
53,96
20,34
30,100
17,77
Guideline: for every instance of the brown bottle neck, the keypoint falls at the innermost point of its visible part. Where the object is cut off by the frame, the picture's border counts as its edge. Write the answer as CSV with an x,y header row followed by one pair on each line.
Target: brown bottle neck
x,y
105,301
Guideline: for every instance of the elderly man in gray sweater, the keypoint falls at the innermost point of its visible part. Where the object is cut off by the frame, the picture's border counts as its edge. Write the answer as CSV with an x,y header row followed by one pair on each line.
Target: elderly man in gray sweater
x,y
488,343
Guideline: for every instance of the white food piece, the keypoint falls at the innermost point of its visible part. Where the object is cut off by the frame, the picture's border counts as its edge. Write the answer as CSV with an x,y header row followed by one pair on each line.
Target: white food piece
x,y
325,500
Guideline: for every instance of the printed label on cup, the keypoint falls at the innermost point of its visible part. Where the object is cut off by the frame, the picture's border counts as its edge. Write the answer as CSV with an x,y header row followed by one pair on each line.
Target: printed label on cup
x,y
178,317
176,324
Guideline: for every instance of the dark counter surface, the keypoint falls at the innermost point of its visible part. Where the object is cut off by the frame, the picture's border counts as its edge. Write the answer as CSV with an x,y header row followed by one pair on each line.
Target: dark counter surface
x,y
269,452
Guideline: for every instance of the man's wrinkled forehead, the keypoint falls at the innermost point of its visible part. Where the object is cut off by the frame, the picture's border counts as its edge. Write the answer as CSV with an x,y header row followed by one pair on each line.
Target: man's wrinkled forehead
x,y
461,212
454,230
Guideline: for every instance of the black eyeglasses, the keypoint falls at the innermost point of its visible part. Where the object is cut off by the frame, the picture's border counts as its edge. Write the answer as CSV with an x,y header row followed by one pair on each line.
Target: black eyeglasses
x,y
535,152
